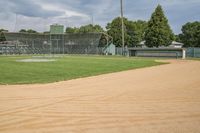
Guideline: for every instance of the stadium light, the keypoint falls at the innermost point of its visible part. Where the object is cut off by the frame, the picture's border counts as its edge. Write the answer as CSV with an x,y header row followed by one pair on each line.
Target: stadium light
x,y
122,19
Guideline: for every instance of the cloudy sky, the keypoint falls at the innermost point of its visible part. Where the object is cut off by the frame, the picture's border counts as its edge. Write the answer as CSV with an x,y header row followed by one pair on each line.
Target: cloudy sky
x,y
39,14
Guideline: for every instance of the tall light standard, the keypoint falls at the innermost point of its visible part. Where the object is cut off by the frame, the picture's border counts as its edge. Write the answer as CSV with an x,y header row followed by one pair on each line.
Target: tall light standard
x,y
122,18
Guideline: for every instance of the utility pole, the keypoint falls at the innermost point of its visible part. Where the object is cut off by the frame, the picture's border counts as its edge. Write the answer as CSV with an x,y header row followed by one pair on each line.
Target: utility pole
x,y
122,18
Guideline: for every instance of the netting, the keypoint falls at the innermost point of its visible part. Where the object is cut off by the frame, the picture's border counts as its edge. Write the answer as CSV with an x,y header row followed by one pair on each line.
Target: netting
x,y
72,43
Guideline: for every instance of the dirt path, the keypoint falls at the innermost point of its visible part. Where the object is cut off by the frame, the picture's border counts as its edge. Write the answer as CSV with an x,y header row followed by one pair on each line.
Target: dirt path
x,y
162,99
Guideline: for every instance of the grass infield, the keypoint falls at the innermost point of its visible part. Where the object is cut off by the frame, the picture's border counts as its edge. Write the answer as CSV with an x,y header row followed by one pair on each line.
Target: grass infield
x,y
65,68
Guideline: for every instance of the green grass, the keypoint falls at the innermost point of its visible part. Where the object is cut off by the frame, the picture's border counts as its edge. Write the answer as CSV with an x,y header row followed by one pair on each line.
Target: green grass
x,y
198,59
65,68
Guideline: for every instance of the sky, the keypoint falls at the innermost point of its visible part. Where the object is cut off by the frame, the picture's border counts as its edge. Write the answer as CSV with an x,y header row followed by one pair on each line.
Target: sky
x,y
39,14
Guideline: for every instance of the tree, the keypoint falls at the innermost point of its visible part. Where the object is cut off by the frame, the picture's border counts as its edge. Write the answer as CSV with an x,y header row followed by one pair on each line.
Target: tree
x,y
177,38
191,34
72,30
28,31
85,29
2,36
114,30
158,31
31,31
22,31
90,28
134,31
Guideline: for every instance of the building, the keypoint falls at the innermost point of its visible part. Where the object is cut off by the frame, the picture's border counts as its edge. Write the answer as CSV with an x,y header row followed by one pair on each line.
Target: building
x,y
110,49
173,45
176,45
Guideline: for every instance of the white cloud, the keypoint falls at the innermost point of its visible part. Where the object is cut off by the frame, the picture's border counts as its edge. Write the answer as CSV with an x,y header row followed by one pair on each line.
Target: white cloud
x,y
39,14
68,13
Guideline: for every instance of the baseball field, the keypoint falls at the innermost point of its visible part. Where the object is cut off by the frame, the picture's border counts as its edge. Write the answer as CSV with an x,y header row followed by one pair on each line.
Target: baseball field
x,y
104,95
54,68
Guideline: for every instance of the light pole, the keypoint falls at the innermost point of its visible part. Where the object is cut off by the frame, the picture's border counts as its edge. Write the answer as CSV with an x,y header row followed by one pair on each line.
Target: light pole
x,y
122,18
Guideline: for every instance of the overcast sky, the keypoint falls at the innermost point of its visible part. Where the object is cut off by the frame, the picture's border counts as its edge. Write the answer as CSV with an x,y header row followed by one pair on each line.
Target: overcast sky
x,y
39,14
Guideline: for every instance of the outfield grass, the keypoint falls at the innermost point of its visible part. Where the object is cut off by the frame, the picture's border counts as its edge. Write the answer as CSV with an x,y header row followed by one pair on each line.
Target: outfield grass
x,y
65,68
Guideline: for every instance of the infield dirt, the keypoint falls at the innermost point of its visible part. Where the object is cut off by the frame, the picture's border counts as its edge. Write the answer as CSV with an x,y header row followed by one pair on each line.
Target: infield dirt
x,y
160,99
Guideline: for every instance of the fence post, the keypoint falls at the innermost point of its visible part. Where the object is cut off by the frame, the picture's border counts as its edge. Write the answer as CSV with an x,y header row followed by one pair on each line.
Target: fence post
x,y
184,54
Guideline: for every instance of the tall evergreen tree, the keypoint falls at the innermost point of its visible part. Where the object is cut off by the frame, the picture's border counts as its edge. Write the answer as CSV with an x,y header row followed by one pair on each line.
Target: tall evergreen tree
x,y
158,32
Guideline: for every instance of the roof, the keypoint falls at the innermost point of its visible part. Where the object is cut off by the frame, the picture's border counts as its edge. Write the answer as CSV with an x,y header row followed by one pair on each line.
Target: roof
x,y
142,42
176,43
173,43
166,48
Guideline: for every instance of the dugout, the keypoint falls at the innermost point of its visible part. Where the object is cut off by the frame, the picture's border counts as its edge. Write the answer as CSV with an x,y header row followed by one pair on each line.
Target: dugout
x,y
157,52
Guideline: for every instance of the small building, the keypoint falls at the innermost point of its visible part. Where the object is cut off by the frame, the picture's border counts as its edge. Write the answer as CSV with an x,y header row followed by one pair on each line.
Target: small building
x,y
142,44
176,45
110,49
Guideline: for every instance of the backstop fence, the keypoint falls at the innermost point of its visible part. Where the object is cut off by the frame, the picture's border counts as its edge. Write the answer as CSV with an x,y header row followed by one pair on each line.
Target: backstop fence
x,y
72,43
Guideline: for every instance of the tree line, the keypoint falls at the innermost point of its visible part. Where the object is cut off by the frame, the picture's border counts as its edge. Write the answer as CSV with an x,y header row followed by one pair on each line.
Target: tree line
x,y
156,32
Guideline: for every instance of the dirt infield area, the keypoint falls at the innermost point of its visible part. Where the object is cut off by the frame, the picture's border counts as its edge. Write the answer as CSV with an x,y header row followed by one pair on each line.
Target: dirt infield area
x,y
160,99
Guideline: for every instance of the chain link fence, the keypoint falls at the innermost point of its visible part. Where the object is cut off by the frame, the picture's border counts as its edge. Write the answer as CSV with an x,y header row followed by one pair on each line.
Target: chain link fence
x,y
77,43
193,52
